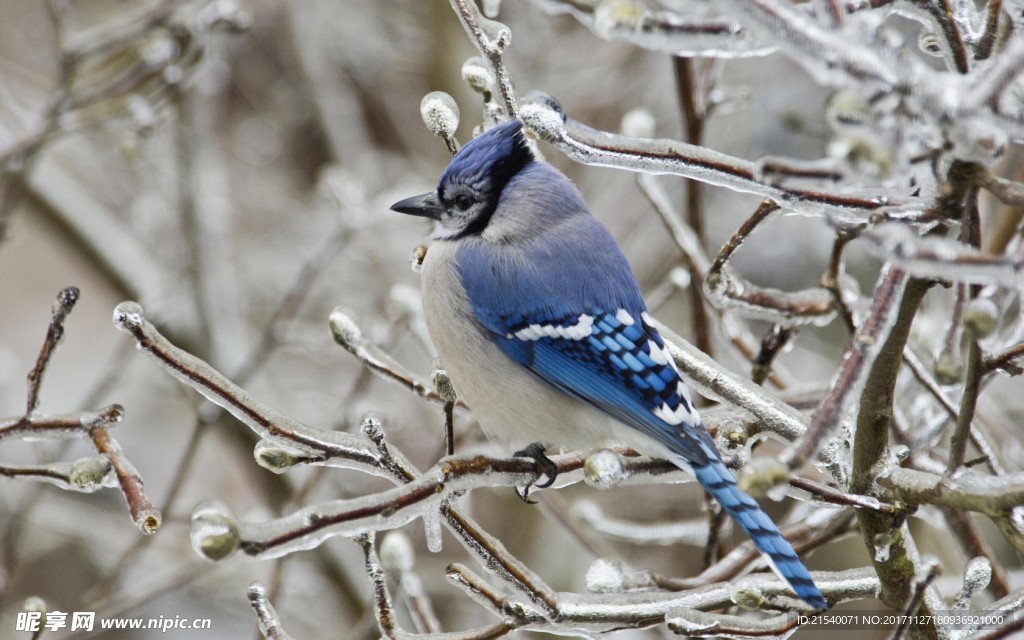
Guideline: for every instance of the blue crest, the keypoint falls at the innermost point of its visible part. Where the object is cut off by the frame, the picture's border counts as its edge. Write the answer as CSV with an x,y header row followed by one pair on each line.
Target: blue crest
x,y
489,161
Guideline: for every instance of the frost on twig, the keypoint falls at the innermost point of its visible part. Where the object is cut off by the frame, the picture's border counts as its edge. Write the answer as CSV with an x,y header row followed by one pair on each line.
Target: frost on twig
x,y
544,115
110,469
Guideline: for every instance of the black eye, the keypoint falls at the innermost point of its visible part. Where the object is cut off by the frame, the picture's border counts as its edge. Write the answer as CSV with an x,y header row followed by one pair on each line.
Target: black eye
x,y
463,202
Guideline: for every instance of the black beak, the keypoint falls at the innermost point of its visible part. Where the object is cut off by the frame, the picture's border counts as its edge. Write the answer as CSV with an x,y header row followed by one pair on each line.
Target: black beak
x,y
425,205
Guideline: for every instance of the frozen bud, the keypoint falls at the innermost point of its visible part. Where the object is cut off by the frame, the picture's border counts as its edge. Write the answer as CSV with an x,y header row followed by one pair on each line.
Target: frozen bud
x,y
128,316
618,18
948,368
716,285
443,385
747,598
603,470
87,474
605,576
344,328
543,115
978,573
440,113
680,278
734,432
34,603
761,475
370,425
214,532
477,75
982,316
273,457
977,576
929,43
396,552
419,254
638,123
143,113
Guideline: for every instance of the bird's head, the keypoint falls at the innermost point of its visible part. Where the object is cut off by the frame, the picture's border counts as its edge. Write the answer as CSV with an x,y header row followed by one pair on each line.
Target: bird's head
x,y
469,189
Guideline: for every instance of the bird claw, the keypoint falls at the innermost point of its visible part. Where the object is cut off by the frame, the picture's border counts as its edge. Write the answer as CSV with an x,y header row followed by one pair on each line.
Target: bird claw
x,y
545,466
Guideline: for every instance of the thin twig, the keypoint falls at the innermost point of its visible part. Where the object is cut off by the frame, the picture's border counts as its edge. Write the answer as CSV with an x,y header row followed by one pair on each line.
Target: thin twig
x,y
65,302
863,349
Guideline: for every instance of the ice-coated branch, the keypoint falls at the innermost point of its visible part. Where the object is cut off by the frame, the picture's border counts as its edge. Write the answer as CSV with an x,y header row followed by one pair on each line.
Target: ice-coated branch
x,y
991,495
545,117
664,30
727,290
491,38
863,349
939,15
346,332
65,302
898,562
1004,361
266,616
711,379
828,54
943,258
37,426
596,613
693,623
88,474
145,515
417,495
267,423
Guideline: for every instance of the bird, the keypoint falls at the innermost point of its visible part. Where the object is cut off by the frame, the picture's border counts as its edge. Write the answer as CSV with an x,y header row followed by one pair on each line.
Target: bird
x,y
541,326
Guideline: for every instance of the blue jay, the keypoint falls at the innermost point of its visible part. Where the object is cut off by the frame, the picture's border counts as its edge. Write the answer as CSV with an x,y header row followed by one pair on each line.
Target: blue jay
x,y
540,324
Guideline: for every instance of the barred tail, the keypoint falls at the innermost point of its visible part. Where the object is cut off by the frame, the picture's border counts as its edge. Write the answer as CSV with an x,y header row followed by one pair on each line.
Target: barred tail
x,y
720,483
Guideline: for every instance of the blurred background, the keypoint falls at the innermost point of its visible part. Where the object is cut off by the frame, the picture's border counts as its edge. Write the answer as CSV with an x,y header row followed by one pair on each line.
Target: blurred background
x,y
230,167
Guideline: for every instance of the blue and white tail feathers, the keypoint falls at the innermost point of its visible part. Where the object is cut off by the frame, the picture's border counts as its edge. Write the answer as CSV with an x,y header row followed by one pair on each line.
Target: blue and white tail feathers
x,y
720,483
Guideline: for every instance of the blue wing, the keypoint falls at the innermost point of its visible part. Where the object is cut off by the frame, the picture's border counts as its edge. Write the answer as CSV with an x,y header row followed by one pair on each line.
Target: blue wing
x,y
585,332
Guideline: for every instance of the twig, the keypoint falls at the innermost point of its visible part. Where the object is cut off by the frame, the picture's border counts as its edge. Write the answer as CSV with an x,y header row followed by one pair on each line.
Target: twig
x,y
693,107
863,350
773,343
975,546
491,43
266,616
66,300
915,600
146,516
545,116
968,401
987,41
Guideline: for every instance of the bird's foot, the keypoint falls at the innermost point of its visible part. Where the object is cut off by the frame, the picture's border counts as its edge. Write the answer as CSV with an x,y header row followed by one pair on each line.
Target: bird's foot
x,y
545,466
